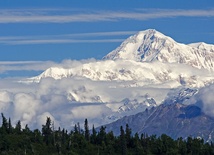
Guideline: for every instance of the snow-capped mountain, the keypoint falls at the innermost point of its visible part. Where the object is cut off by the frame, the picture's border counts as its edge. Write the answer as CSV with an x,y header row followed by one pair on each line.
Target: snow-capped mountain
x,y
146,70
151,45
147,56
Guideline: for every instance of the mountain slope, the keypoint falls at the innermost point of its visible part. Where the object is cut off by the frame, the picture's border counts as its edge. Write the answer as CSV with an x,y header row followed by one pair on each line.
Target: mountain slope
x,y
175,120
151,45
147,56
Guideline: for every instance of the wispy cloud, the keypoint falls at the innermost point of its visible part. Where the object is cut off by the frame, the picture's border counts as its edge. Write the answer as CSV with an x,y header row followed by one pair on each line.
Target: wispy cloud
x,y
97,34
67,16
61,41
19,62
64,38
6,66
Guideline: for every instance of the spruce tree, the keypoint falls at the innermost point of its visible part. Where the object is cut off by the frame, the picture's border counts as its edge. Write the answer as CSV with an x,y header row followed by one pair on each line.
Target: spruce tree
x,y
76,131
101,137
93,135
5,125
87,134
47,131
123,141
10,128
128,136
18,127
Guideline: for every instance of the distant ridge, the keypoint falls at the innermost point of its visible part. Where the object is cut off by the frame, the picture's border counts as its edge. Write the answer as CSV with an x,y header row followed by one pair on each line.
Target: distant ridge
x,y
175,120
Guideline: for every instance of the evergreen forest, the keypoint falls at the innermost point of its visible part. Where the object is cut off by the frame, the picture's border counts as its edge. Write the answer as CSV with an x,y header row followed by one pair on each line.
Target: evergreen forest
x,y
20,140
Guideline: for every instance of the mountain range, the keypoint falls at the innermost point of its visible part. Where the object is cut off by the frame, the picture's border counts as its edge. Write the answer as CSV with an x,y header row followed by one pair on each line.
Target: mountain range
x,y
147,70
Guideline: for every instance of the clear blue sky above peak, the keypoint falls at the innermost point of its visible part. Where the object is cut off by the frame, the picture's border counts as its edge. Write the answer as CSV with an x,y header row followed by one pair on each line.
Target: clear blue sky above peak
x,y
57,30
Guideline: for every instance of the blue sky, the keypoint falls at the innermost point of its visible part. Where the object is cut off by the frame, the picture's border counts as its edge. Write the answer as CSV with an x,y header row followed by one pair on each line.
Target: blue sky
x,y
68,29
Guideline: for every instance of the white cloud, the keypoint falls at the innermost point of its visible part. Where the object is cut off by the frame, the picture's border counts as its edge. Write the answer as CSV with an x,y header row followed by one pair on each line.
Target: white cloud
x,y
204,99
65,16
64,38
89,111
25,107
59,41
5,101
6,66
25,65
5,96
32,103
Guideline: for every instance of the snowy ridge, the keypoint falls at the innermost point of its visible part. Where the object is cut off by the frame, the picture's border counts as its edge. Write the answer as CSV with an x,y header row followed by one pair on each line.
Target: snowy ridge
x,y
140,74
151,45
203,46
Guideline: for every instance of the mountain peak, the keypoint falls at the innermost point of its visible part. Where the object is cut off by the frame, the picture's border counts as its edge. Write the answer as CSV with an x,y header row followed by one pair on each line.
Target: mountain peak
x,y
148,32
151,32
143,46
151,45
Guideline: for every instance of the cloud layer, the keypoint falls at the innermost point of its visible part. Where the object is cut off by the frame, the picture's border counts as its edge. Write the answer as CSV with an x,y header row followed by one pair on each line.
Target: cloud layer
x,y
66,101
71,100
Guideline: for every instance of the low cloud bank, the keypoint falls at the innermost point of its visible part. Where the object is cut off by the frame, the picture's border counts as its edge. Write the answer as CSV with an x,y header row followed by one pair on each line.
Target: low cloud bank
x,y
71,100
205,100
66,101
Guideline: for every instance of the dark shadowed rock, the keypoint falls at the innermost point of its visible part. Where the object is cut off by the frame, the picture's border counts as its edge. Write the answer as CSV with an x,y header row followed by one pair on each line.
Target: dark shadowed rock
x,y
175,120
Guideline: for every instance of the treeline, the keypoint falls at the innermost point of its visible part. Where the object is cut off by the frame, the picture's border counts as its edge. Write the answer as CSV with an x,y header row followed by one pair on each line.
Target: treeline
x,y
49,141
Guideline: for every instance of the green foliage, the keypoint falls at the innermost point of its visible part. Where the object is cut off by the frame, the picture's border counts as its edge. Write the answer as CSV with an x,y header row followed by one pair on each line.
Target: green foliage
x,y
47,131
55,142
5,125
18,128
87,134
93,136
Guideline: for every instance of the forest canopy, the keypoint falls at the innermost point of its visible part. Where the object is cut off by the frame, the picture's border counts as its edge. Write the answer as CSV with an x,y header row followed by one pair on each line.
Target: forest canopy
x,y
21,140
